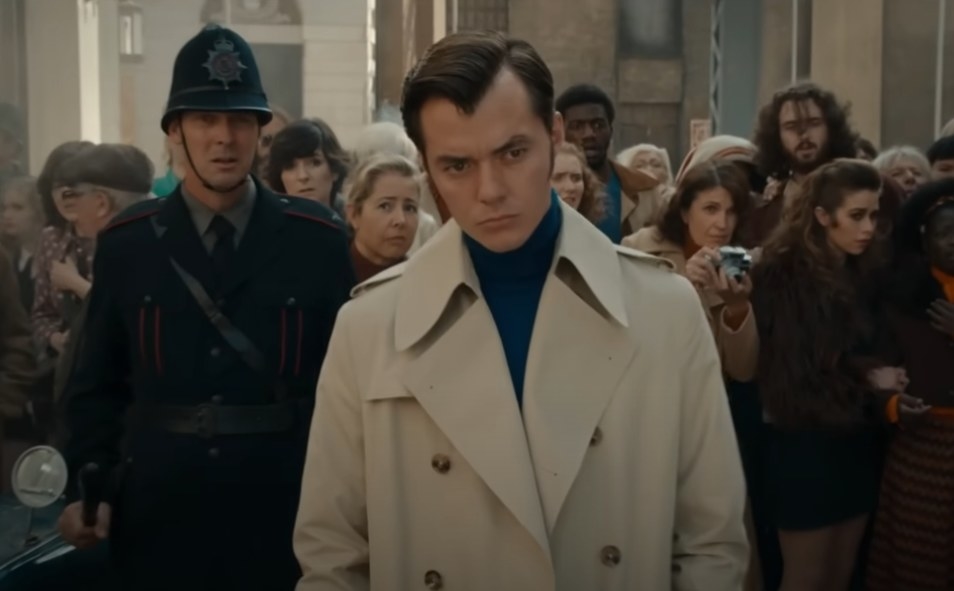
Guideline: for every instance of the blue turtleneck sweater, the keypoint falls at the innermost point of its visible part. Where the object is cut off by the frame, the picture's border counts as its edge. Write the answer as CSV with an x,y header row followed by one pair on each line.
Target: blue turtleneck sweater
x,y
512,283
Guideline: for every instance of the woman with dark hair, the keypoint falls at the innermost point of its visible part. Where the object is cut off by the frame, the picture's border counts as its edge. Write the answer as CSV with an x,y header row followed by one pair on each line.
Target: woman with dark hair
x,y
823,387
576,184
913,541
306,160
64,259
21,223
706,213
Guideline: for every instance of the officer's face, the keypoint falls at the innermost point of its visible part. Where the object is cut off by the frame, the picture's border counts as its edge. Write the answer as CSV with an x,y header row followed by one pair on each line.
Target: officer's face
x,y
491,168
221,146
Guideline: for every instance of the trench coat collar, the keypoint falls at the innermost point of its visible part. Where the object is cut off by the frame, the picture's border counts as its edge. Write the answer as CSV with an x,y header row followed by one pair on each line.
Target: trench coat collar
x,y
444,266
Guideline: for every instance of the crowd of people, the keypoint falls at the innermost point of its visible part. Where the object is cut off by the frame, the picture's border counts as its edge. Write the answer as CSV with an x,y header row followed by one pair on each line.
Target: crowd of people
x,y
831,341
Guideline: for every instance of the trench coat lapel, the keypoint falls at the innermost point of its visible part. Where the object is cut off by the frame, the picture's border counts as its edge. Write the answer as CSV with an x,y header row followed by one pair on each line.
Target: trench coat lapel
x,y
580,351
460,375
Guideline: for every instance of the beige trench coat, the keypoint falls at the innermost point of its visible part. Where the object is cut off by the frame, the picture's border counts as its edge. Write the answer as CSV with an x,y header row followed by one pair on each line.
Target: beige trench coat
x,y
621,473
738,348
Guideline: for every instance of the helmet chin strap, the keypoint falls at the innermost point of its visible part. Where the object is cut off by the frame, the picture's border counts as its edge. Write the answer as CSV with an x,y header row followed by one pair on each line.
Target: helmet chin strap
x,y
205,183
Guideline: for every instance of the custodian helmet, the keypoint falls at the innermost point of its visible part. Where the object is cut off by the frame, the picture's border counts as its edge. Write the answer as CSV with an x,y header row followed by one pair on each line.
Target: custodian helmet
x,y
216,71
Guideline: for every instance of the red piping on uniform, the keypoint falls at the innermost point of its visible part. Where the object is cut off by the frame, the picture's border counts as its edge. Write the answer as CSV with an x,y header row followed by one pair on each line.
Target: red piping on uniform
x,y
298,349
281,363
313,218
142,334
158,325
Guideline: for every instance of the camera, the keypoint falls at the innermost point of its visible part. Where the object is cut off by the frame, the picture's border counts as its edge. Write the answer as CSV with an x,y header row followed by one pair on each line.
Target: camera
x,y
735,260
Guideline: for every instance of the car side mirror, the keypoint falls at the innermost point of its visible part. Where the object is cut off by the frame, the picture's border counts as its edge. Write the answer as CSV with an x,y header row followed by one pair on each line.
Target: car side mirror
x,y
39,477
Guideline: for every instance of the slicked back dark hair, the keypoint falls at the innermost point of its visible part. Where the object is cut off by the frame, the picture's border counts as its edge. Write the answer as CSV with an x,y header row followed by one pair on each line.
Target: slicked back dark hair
x,y
585,94
771,159
462,67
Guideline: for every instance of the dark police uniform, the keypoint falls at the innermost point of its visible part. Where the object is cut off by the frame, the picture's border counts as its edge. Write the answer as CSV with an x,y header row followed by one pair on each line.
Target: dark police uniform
x,y
206,432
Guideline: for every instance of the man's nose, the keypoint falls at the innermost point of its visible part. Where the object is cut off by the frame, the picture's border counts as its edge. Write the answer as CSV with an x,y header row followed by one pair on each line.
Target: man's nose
x,y
489,189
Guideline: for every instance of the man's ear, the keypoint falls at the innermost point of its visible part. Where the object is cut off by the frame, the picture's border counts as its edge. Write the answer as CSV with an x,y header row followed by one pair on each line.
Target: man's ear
x,y
558,135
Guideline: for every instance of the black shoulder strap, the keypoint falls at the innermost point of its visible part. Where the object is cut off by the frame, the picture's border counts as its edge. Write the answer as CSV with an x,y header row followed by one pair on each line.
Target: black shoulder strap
x,y
232,335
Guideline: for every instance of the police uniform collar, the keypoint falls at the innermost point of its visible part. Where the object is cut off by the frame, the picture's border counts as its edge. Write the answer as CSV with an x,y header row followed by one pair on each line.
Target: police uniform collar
x,y
436,273
238,215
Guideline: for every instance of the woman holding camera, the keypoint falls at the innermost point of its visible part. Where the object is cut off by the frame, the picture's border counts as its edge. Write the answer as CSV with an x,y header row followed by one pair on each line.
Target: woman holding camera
x,y
704,215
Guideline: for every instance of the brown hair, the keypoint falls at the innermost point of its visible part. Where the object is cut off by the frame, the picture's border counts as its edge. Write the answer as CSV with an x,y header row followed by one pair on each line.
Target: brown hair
x,y
593,203
802,236
771,158
699,178
462,67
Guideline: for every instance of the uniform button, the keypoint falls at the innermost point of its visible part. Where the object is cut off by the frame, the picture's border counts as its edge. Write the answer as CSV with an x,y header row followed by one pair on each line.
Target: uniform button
x,y
291,302
441,463
433,580
218,399
610,556
213,452
284,201
147,299
597,437
215,352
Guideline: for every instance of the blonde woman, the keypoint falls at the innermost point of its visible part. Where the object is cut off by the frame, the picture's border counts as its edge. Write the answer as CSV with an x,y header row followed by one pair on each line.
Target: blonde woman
x,y
385,137
648,158
384,196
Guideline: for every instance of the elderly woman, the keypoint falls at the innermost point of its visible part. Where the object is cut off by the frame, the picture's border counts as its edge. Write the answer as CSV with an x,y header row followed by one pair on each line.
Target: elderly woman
x,y
383,199
906,165
648,158
385,137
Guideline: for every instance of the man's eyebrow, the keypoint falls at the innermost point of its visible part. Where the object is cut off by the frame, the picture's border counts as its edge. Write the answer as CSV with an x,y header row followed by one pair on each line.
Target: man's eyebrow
x,y
514,142
452,159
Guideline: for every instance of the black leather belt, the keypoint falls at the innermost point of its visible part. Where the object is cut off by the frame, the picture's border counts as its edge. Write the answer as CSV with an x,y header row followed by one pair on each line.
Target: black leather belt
x,y
208,420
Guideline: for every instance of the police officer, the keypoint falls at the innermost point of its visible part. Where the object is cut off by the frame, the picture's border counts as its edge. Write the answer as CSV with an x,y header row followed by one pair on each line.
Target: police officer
x,y
208,321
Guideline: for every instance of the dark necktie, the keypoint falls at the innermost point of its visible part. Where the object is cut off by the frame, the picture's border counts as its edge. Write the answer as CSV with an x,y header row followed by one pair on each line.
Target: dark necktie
x,y
224,250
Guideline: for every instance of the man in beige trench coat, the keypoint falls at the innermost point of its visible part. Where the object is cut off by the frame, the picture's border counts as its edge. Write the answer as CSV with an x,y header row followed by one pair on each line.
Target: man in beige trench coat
x,y
522,406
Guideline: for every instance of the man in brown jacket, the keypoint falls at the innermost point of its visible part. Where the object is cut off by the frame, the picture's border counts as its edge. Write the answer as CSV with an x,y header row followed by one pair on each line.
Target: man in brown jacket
x,y
633,197
17,363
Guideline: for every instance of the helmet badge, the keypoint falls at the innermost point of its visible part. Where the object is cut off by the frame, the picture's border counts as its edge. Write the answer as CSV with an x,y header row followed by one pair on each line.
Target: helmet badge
x,y
224,64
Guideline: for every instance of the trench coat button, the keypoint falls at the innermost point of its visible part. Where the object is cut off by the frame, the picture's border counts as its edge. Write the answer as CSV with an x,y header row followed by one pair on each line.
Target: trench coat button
x,y
676,569
213,452
441,463
610,556
215,352
218,399
433,580
291,302
597,437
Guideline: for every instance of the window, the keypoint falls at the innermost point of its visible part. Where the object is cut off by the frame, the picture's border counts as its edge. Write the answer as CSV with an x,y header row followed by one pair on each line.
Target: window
x,y
477,15
650,28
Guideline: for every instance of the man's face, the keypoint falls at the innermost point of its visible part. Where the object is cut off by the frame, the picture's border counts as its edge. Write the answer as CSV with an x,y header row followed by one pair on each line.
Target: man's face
x,y
492,168
804,135
588,127
221,146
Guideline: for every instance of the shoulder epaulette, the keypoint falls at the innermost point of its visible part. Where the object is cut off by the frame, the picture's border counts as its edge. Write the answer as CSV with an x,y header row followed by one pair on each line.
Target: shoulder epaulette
x,y
137,211
646,259
313,211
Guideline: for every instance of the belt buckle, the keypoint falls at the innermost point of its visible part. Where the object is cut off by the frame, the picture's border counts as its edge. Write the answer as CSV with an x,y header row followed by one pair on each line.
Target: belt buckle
x,y
206,420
